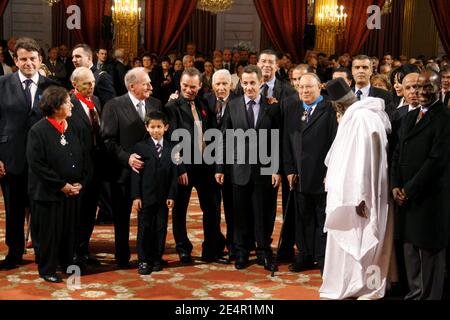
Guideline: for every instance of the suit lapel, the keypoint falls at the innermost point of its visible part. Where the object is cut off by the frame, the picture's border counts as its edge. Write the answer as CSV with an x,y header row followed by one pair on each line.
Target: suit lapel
x,y
18,90
130,110
263,106
185,107
318,112
78,108
277,89
151,143
241,114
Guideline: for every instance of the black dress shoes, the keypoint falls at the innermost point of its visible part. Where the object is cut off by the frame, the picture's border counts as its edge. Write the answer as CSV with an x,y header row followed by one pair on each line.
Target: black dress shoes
x,y
157,266
9,264
144,268
53,278
241,263
302,265
185,258
216,259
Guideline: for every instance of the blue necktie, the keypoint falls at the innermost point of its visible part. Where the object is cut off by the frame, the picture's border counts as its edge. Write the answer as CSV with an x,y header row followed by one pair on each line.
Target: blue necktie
x,y
358,94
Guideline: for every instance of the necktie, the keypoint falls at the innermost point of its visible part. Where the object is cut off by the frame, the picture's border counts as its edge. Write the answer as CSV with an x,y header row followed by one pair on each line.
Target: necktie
x,y
141,110
198,126
250,114
358,94
265,90
219,108
421,115
159,150
27,92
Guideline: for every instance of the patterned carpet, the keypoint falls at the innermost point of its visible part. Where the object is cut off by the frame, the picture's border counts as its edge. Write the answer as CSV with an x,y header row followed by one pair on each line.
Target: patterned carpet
x,y
199,281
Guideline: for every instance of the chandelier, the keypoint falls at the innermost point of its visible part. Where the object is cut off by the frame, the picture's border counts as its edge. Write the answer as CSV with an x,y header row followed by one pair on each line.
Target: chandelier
x,y
214,6
126,12
387,7
332,19
51,2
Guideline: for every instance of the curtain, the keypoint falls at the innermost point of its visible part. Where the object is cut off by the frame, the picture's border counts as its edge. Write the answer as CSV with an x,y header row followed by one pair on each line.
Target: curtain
x,y
392,24
91,27
284,22
356,33
3,5
201,29
165,21
441,14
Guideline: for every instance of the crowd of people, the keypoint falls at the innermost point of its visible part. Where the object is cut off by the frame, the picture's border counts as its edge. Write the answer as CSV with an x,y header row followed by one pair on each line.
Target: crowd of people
x,y
363,149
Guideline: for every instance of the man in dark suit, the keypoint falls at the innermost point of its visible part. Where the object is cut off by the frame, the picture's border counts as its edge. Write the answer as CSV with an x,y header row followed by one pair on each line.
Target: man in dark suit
x,y
55,66
445,84
228,60
119,71
217,104
86,118
8,53
104,86
19,110
189,113
420,177
310,126
122,127
254,185
64,57
362,71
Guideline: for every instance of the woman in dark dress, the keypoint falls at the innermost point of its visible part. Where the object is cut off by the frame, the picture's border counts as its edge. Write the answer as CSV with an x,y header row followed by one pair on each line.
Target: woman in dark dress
x,y
57,168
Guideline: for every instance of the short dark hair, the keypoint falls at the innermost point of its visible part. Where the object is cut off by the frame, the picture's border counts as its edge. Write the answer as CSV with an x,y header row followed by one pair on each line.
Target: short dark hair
x,y
192,72
86,48
28,44
268,51
52,99
253,69
156,115
346,70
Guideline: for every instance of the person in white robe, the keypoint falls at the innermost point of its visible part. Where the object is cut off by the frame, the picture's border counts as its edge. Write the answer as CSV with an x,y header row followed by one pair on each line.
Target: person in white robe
x,y
357,221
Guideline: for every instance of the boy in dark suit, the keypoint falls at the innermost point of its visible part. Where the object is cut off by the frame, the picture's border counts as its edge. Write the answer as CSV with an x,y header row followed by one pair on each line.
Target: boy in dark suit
x,y
153,190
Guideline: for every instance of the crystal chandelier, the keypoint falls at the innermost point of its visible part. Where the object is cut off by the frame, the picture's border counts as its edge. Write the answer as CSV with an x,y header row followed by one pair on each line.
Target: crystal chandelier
x,y
51,2
332,19
214,6
126,12
387,7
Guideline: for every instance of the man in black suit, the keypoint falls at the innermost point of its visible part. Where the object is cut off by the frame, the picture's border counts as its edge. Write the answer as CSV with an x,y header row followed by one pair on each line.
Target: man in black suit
x,y
122,127
64,57
217,104
104,90
104,86
119,71
189,113
310,126
254,185
420,178
445,84
362,71
8,53
86,119
228,60
55,66
19,110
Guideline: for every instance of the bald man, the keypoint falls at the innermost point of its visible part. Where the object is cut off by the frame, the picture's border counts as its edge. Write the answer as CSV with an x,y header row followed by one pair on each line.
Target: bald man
x,y
420,176
86,118
310,126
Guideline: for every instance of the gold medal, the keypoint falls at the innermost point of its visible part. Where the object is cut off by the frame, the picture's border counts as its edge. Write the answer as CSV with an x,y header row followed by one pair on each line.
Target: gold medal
x,y
63,140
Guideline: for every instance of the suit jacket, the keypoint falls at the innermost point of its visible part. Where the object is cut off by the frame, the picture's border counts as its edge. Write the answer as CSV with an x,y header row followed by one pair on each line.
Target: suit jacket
x,y
8,58
94,146
269,118
396,122
420,165
446,99
121,129
305,145
158,181
16,119
211,101
119,71
104,86
58,71
180,117
231,68
52,165
68,65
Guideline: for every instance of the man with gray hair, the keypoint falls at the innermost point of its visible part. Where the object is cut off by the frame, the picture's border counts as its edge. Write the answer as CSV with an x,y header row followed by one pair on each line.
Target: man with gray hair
x,y
122,127
359,227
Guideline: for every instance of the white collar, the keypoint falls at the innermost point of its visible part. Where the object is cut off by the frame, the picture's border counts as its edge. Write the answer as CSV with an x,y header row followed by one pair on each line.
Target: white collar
x,y
34,78
135,100
156,141
365,90
257,100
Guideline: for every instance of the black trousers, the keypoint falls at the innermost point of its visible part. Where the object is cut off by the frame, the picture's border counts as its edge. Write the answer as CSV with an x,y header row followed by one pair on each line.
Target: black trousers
x,y
54,229
105,210
122,203
425,269
309,223
200,177
15,195
254,218
152,232
88,212
288,235
225,194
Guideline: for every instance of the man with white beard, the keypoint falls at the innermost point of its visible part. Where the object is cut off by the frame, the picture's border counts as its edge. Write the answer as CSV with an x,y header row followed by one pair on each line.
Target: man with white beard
x,y
357,220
